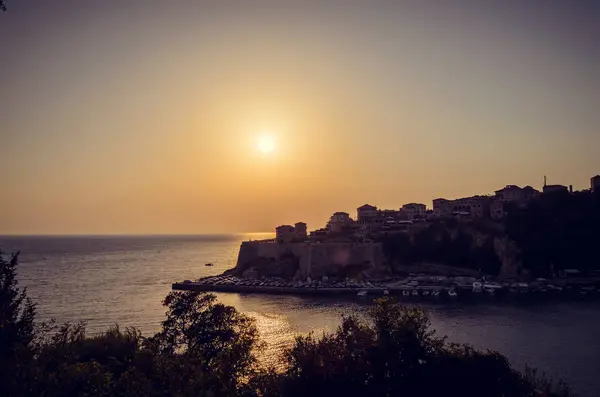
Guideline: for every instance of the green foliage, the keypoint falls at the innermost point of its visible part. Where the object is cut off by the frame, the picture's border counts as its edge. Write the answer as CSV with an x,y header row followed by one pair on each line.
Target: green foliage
x,y
216,334
557,231
443,243
396,353
208,349
17,329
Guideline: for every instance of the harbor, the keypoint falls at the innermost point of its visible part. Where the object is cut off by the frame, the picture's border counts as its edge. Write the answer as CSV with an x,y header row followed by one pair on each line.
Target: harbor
x,y
413,286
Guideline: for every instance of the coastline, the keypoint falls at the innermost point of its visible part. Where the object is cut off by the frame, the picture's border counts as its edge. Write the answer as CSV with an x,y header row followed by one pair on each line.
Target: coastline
x,y
406,288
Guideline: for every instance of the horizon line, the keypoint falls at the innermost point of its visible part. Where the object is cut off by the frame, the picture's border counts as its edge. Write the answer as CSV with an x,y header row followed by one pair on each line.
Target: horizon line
x,y
126,234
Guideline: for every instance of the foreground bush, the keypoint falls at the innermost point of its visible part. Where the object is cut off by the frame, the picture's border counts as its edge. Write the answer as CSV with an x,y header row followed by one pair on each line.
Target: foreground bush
x,y
395,353
208,349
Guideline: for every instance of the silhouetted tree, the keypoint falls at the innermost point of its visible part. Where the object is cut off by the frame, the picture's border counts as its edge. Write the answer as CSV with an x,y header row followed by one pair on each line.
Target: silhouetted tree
x,y
397,354
17,331
557,230
218,335
208,349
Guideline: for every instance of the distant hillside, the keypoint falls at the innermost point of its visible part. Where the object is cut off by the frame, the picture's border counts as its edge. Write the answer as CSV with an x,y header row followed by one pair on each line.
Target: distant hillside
x,y
446,242
556,231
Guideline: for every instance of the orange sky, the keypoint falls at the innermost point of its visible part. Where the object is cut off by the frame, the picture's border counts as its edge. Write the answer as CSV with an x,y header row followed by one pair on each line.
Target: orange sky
x,y
145,119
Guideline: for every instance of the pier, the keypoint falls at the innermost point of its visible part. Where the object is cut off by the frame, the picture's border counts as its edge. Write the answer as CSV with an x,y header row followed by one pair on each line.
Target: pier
x,y
433,287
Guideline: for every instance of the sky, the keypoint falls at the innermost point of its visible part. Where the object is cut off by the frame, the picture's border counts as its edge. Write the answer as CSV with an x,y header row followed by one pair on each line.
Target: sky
x,y
146,116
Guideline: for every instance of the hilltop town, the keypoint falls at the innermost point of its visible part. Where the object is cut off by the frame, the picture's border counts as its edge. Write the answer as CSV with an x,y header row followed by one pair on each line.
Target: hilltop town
x,y
371,222
515,232
516,240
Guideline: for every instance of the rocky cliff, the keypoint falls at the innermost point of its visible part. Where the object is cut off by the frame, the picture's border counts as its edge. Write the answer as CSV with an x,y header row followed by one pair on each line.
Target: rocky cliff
x,y
302,260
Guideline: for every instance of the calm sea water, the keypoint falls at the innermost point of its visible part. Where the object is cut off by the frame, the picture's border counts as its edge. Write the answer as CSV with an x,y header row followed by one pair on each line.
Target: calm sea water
x,y
109,280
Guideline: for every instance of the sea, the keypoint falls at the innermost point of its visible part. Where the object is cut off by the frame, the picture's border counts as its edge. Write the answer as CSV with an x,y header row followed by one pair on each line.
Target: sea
x,y
108,280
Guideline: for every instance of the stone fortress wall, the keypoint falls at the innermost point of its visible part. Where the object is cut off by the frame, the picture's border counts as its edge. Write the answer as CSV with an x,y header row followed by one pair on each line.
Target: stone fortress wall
x,y
314,258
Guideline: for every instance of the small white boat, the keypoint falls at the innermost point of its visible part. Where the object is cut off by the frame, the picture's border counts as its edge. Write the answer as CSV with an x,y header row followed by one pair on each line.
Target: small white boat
x,y
425,293
491,288
435,292
406,293
415,293
452,293
362,293
477,287
386,292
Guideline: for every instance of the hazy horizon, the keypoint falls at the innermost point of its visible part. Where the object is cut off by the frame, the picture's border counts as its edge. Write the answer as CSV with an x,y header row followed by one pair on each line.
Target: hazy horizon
x,y
206,117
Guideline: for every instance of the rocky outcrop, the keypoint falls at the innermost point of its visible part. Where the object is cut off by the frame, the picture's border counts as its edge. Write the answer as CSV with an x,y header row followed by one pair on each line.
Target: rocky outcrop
x,y
507,252
302,260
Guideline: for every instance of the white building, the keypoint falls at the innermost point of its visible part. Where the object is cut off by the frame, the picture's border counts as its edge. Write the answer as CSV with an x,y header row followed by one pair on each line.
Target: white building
x,y
339,221
285,233
301,230
289,233
515,194
414,210
366,213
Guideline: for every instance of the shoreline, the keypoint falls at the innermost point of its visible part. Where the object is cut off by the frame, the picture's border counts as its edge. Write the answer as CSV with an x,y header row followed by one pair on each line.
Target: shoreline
x,y
443,290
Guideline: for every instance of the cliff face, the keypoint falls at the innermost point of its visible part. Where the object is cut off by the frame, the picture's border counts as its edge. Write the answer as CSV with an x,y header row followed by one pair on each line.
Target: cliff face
x,y
507,252
302,260
457,245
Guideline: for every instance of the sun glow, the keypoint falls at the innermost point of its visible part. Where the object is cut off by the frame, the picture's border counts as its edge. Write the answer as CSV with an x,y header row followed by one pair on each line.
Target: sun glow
x,y
266,144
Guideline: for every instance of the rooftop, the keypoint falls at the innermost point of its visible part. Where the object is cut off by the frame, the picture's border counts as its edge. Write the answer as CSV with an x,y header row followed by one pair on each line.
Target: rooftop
x,y
284,227
367,207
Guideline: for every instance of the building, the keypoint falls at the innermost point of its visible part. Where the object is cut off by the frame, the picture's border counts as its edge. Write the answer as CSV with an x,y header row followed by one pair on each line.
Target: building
x,y
414,211
394,226
510,193
466,207
388,214
339,221
289,233
530,193
442,208
497,209
551,189
595,183
319,234
479,206
285,233
300,230
515,194
370,219
366,213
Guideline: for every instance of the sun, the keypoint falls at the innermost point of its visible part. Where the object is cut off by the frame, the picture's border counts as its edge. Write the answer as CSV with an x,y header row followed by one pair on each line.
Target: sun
x,y
266,144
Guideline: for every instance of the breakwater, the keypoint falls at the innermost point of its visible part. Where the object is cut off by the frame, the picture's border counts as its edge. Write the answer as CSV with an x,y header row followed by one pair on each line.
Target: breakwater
x,y
428,287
